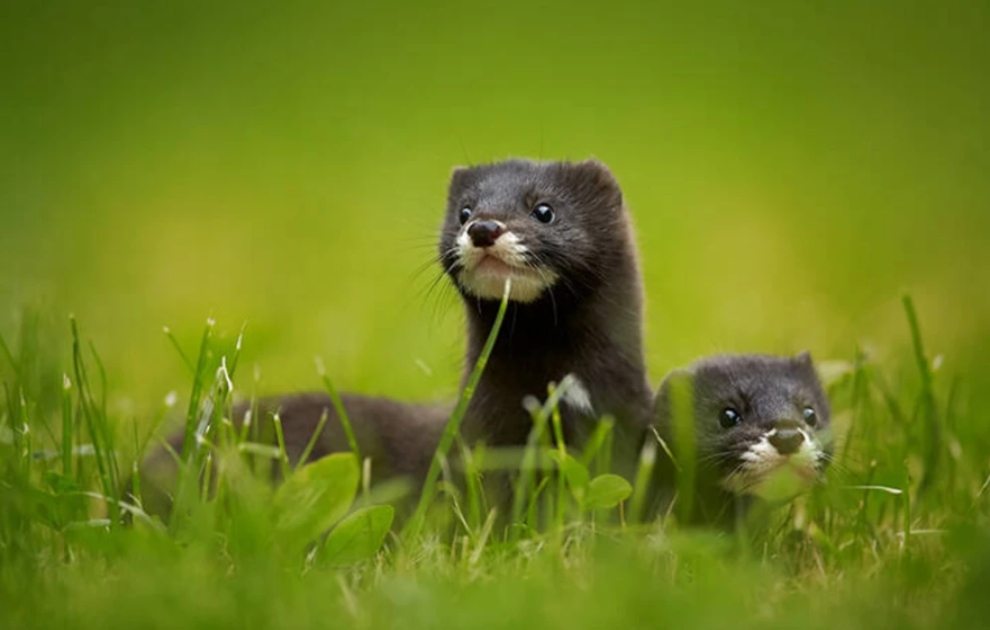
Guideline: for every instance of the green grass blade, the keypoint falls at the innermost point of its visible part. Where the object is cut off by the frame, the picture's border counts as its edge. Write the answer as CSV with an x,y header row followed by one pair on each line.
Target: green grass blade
x,y
96,423
685,443
929,408
473,488
24,428
597,440
312,440
10,357
338,404
541,417
641,485
178,348
454,423
189,436
561,499
108,435
283,456
66,426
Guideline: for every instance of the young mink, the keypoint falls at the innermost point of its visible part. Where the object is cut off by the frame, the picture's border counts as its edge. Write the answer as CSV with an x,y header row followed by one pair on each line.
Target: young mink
x,y
760,429
560,233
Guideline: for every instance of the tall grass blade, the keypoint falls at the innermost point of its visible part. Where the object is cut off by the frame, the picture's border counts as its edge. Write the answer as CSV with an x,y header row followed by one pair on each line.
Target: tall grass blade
x,y
195,396
685,442
96,423
338,404
66,426
283,456
312,440
929,408
10,357
641,484
597,441
178,348
454,423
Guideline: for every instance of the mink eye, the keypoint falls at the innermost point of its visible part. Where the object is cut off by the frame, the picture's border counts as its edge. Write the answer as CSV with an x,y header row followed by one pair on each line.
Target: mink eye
x,y
810,416
543,213
464,214
729,418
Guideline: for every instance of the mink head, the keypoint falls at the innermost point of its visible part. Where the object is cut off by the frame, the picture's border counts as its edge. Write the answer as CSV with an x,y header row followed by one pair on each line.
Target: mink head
x,y
761,423
546,226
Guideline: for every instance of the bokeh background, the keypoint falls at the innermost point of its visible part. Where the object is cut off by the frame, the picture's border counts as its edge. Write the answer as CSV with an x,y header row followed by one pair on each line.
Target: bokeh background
x,y
792,168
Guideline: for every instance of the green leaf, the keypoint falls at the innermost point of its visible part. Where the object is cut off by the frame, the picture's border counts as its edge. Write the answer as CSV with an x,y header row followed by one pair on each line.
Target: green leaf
x,y
359,536
606,491
315,497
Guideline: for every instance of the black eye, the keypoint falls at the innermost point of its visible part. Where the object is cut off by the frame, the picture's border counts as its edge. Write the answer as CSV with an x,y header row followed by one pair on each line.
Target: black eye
x,y
810,416
543,213
464,214
729,418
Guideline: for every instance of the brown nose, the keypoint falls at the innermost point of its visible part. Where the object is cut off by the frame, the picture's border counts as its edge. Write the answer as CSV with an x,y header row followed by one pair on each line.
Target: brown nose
x,y
786,441
484,233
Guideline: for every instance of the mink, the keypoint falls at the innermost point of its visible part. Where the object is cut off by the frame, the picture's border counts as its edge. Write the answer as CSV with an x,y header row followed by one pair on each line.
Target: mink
x,y
760,427
560,234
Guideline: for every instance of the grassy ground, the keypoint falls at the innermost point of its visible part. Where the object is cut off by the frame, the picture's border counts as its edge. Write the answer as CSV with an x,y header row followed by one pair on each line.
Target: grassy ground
x,y
896,537
793,170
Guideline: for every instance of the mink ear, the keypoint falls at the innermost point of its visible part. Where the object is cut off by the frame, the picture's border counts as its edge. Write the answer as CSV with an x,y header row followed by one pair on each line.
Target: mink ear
x,y
599,181
592,164
458,175
804,360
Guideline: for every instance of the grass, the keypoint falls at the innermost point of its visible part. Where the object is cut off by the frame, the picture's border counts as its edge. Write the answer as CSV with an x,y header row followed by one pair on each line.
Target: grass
x,y
795,164
897,537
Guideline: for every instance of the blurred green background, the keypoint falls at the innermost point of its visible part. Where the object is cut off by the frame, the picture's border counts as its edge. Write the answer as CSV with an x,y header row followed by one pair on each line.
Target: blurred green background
x,y
792,167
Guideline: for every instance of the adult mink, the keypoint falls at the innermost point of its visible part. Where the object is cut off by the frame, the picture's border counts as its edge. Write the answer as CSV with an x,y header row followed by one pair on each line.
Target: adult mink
x,y
561,233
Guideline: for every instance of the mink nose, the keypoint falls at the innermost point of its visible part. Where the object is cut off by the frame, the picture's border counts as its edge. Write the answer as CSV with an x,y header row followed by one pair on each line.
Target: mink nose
x,y
786,439
485,233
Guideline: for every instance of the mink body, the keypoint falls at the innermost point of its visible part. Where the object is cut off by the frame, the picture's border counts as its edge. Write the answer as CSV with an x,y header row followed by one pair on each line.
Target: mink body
x,y
398,437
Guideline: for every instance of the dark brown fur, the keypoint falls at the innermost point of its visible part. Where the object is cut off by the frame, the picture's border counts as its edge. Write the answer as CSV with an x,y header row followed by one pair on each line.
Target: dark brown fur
x,y
398,437
765,390
588,324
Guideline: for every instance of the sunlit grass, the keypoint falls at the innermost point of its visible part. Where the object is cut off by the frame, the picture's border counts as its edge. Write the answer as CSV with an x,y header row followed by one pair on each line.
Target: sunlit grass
x,y
897,536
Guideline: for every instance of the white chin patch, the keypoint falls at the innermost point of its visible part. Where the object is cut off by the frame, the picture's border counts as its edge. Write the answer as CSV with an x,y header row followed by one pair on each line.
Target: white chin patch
x,y
484,270
766,473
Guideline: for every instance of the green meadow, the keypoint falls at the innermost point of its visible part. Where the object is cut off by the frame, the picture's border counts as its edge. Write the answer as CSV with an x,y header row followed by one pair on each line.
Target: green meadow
x,y
801,176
